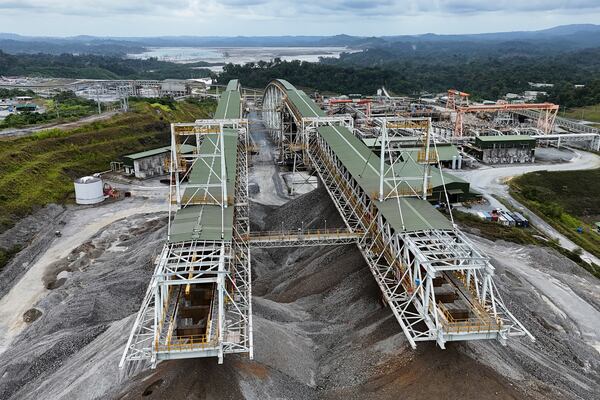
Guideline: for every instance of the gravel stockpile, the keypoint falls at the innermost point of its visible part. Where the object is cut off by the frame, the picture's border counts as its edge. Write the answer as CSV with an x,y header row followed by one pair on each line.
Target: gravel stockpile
x,y
35,233
104,281
321,330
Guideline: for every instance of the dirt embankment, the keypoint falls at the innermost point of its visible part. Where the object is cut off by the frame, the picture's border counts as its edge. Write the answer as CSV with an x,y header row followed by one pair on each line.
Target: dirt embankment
x,y
72,347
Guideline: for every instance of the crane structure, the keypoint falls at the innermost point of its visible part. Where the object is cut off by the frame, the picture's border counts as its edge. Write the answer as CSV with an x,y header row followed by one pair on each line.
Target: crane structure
x,y
438,285
544,114
452,102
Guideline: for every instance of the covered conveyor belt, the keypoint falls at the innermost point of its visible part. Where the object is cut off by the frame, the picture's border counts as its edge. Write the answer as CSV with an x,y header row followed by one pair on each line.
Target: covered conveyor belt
x,y
363,165
437,284
198,302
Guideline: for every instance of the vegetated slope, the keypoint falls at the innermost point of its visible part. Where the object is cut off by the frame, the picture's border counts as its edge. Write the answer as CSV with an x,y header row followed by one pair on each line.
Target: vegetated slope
x,y
523,236
62,107
589,113
39,169
566,199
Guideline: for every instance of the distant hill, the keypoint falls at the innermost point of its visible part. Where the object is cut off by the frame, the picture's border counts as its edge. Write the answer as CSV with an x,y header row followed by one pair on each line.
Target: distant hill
x,y
98,47
560,37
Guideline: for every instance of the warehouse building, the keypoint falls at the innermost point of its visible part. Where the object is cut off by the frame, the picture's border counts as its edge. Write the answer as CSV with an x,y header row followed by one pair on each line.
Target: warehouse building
x,y
458,190
147,164
506,149
26,107
448,153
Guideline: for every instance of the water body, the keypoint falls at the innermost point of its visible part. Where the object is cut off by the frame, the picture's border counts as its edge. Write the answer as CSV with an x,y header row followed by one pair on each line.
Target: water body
x,y
239,55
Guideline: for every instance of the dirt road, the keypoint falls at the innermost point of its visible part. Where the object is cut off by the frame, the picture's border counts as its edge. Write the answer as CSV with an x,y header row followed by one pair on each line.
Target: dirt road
x,y
19,132
264,172
82,224
491,181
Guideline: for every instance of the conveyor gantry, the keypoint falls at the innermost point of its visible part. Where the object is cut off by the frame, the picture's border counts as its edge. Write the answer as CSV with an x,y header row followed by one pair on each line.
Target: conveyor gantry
x,y
438,285
303,238
198,300
198,303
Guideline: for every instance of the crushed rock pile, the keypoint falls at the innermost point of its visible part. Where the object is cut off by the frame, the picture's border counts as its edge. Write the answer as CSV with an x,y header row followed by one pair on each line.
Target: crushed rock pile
x,y
321,330
71,350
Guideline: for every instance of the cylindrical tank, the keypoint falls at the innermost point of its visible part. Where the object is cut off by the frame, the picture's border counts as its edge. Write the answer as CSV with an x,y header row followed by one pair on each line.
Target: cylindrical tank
x,y
453,162
89,190
459,163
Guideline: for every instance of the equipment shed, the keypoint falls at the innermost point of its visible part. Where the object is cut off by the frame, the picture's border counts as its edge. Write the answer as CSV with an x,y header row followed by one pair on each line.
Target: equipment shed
x,y
147,164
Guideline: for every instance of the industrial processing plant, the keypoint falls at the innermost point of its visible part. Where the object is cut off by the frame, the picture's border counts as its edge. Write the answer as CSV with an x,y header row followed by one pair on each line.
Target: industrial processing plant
x,y
278,214
436,283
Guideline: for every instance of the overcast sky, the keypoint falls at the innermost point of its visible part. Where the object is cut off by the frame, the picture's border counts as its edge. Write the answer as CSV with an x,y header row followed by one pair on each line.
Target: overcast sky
x,y
287,17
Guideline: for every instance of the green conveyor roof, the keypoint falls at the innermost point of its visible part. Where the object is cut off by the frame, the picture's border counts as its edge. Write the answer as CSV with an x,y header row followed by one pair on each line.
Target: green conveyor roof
x,y
412,214
445,151
201,171
411,168
233,85
304,104
230,105
203,221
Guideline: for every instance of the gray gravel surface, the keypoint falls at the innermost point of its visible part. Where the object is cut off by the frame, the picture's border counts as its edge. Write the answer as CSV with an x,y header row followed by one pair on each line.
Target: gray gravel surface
x,y
35,233
321,330
107,278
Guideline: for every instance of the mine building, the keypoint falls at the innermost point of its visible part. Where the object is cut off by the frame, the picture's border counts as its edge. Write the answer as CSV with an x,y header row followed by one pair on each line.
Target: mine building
x,y
506,149
150,163
26,107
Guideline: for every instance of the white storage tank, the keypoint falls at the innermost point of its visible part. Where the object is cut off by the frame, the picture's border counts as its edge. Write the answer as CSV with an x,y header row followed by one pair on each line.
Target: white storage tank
x,y
89,190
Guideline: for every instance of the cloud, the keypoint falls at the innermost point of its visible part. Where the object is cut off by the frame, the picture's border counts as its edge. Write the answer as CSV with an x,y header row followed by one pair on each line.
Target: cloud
x,y
290,8
288,17
92,7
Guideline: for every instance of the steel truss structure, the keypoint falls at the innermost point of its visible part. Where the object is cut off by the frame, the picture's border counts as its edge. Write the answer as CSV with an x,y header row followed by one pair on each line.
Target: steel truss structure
x,y
463,99
421,274
222,265
592,140
408,266
288,126
303,238
391,156
545,114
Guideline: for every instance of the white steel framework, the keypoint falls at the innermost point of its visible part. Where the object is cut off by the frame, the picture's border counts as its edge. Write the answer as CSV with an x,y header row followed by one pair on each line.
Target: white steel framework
x,y
219,268
408,266
423,275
